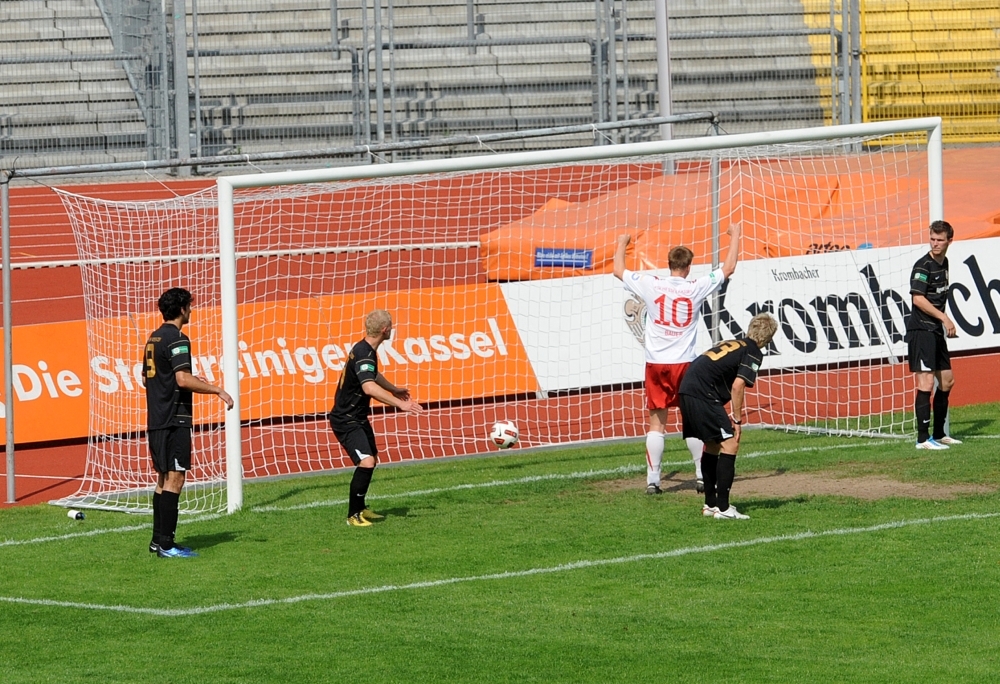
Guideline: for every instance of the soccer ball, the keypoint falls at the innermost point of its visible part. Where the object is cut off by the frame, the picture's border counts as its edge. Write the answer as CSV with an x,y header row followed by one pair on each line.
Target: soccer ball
x,y
504,434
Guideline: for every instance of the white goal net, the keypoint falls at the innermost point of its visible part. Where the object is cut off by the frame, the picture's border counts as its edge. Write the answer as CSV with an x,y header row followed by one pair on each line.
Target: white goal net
x,y
497,271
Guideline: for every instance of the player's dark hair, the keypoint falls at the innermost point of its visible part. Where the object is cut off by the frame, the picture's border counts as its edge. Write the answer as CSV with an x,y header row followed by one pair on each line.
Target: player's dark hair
x,y
173,301
679,258
943,228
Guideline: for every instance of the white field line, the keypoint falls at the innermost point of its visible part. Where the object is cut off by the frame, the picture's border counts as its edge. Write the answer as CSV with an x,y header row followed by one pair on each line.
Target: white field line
x,y
510,574
106,530
622,470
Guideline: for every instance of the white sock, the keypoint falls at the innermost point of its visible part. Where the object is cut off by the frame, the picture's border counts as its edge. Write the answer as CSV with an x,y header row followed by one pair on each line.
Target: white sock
x,y
696,447
654,456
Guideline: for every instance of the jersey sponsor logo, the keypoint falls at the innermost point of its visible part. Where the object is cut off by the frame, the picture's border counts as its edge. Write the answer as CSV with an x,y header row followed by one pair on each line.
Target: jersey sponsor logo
x,y
184,349
635,276
755,367
713,278
366,366
922,277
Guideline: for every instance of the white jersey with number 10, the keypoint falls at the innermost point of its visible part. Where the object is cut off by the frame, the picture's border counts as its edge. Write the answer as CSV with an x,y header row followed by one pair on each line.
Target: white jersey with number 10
x,y
672,308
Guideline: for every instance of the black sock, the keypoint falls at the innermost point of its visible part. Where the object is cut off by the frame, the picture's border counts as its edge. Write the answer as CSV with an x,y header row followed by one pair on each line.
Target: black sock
x,y
940,412
709,463
157,532
169,504
359,488
922,409
726,475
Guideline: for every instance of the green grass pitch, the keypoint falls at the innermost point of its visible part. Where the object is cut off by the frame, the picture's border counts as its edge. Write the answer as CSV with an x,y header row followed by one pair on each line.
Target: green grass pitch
x,y
541,566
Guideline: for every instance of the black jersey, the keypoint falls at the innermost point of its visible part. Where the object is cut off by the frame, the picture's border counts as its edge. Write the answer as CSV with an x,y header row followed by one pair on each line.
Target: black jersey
x,y
710,377
351,405
168,350
930,279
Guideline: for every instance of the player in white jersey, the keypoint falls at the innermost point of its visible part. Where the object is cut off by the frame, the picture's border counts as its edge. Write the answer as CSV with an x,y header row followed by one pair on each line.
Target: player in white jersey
x,y
673,305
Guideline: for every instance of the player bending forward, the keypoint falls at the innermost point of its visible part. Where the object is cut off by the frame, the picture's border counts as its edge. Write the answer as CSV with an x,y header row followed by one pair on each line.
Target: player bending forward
x,y
359,383
670,338
719,375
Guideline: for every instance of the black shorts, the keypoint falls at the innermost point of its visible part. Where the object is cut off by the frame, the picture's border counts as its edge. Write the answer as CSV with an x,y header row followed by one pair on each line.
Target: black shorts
x,y
927,351
170,449
358,442
704,420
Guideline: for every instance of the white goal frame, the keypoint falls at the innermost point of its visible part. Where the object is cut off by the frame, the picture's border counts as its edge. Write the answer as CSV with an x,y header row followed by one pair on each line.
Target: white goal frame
x,y
227,184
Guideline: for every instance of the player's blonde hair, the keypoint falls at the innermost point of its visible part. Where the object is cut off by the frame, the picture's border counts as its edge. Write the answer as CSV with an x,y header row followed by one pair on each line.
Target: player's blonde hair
x,y
762,328
377,321
679,258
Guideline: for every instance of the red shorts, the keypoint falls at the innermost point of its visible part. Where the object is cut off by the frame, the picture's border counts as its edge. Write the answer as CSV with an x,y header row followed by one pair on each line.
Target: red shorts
x,y
662,382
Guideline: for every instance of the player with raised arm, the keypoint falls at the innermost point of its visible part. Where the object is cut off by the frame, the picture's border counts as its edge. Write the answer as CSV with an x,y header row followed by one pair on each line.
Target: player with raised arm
x,y
715,378
927,328
670,337
170,386
360,382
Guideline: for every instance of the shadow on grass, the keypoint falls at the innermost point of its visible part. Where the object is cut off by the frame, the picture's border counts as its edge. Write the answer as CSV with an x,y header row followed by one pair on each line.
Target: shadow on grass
x,y
972,427
339,488
398,512
204,541
685,485
768,504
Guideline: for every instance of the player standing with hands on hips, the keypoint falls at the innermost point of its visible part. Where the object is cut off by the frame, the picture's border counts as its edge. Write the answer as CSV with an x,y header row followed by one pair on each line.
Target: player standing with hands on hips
x,y
926,329
670,336
360,382
715,378
170,387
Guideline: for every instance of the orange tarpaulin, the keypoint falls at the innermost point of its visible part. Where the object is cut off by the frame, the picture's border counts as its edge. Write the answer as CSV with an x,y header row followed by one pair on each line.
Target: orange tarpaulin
x,y
783,213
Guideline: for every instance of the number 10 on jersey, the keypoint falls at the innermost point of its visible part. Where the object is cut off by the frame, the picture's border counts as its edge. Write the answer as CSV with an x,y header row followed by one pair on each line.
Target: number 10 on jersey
x,y
681,311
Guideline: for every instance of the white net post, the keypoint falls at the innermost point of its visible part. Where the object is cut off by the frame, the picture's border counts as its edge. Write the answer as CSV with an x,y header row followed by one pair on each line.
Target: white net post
x,y
230,349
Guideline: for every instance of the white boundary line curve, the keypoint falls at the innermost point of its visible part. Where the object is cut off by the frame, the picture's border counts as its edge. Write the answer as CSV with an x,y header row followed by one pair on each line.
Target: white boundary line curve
x,y
510,574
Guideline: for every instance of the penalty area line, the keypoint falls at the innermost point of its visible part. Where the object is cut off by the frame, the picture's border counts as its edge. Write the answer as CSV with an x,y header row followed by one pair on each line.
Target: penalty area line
x,y
510,574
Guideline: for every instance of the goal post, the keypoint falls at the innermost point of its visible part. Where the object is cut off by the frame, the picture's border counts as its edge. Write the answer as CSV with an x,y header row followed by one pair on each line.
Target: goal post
x,y
497,270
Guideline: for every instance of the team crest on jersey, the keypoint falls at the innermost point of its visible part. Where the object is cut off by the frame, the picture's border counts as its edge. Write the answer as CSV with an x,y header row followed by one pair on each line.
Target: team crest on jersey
x,y
634,312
